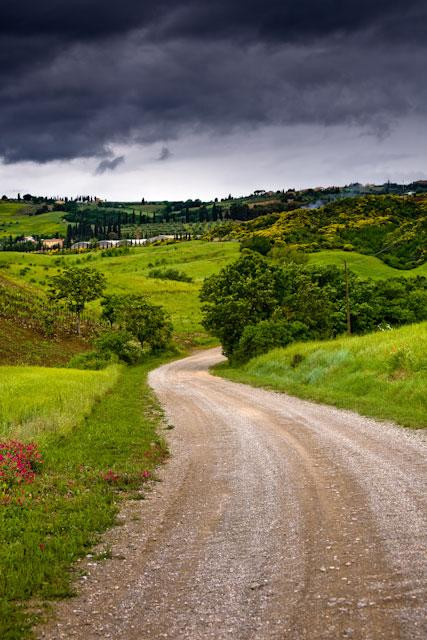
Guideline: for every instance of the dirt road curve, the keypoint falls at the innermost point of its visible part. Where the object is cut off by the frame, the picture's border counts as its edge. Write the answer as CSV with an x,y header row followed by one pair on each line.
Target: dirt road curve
x,y
276,519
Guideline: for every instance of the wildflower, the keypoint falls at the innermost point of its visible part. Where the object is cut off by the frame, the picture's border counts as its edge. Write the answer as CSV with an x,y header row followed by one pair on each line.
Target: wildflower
x,y
19,463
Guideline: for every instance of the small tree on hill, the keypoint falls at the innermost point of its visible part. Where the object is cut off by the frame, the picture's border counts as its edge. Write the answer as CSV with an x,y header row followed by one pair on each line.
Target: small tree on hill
x,y
75,287
148,323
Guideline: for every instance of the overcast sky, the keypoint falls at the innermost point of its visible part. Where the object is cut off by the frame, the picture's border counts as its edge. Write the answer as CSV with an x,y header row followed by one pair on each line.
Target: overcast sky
x,y
168,99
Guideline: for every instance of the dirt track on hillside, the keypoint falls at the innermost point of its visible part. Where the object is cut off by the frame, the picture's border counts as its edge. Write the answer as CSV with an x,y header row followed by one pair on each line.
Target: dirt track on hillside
x,y
276,519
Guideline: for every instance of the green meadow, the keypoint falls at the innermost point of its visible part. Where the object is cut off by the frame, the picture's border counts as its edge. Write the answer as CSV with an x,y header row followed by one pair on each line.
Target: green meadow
x,y
15,221
381,374
363,265
128,273
64,397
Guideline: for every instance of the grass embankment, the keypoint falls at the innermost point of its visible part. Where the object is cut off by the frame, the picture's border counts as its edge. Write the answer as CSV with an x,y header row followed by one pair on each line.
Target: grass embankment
x,y
15,220
50,523
24,346
382,374
23,338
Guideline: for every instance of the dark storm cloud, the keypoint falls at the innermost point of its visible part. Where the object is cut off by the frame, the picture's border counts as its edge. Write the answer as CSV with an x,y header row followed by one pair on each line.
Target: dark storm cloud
x,y
165,154
78,76
109,165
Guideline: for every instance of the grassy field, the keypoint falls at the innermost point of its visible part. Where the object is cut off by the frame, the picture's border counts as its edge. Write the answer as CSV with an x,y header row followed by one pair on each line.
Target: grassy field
x,y
129,274
90,464
382,374
363,265
15,221
63,397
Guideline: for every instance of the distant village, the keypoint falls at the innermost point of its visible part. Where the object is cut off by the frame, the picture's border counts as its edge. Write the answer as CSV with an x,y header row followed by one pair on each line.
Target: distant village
x,y
93,223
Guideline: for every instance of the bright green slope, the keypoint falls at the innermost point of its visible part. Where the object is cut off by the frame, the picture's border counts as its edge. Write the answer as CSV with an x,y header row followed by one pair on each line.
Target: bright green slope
x,y
50,400
364,266
382,374
14,221
129,273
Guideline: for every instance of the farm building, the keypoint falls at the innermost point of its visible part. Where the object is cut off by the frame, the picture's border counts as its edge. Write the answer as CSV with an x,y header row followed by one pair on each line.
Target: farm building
x,y
80,245
107,244
53,243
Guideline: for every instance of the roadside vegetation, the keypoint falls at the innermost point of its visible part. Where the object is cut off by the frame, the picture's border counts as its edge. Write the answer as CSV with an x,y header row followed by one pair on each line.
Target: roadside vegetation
x,y
73,441
383,374
89,464
254,305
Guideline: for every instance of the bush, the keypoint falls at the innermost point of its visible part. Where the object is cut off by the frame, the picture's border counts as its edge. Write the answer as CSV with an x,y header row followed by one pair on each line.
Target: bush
x,y
266,335
19,463
90,360
122,344
260,244
253,290
170,274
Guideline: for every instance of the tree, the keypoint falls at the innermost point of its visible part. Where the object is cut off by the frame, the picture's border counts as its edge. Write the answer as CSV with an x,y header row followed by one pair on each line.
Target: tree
x,y
244,292
260,244
150,324
75,287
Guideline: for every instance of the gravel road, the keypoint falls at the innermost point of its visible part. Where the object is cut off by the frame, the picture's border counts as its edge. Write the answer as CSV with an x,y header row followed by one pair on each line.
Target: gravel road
x,y
276,519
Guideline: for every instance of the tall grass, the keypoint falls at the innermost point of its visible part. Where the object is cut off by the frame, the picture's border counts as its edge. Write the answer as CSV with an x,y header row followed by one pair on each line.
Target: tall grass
x,y
382,374
35,401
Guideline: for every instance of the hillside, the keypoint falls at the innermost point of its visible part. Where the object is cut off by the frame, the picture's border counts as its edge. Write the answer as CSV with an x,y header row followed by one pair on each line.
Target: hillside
x,y
364,266
382,374
22,219
391,227
29,334
127,272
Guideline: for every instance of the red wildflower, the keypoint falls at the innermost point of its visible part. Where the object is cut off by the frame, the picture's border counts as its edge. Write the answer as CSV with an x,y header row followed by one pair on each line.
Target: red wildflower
x,y
19,462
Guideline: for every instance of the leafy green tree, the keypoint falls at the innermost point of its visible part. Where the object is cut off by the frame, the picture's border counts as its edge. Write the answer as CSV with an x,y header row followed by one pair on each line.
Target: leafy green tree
x,y
244,292
74,287
150,324
253,305
260,244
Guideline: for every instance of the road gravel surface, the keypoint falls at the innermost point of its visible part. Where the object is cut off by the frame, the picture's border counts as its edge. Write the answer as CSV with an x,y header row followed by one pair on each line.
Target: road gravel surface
x,y
276,518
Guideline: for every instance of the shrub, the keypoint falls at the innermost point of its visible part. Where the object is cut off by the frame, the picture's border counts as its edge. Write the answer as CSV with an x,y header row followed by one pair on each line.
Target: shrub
x,y
90,360
122,344
260,244
266,335
170,274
